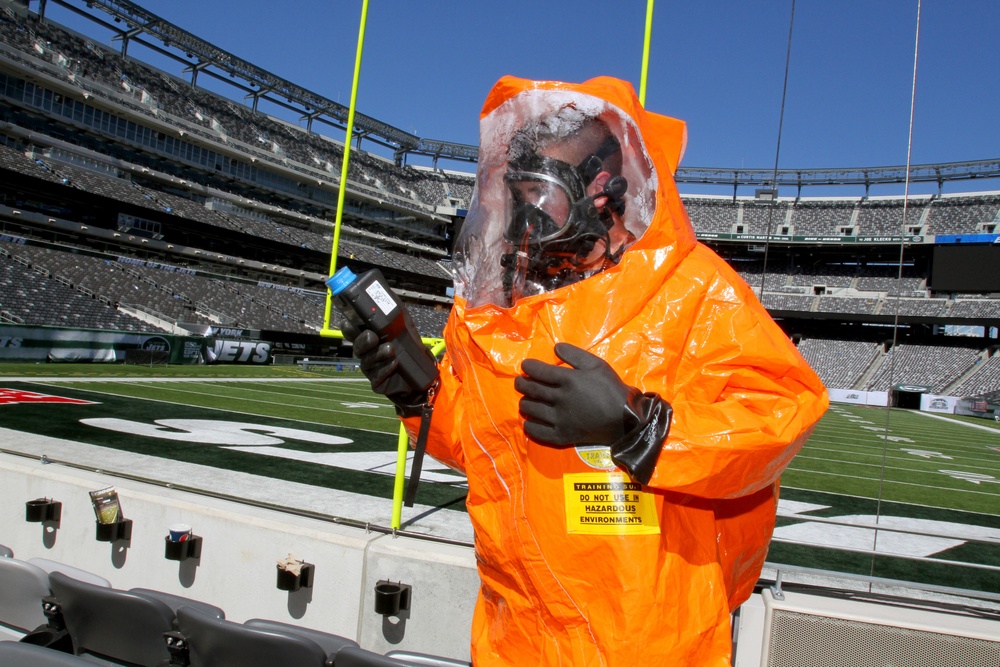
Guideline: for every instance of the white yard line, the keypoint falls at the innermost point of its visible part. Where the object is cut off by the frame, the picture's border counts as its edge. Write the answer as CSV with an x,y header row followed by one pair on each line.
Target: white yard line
x,y
995,431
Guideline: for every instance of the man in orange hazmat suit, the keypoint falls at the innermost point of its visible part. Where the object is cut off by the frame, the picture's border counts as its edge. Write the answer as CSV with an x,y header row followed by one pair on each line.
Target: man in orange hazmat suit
x,y
621,403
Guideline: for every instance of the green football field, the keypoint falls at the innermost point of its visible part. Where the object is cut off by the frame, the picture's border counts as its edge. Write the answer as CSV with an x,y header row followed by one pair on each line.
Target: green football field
x,y
936,478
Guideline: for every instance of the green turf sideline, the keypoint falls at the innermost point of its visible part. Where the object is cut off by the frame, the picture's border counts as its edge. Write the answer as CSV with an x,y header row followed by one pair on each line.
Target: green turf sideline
x,y
986,424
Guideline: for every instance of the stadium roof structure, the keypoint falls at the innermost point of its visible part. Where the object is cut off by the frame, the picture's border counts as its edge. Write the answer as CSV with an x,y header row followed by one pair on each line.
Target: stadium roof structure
x,y
259,83
866,176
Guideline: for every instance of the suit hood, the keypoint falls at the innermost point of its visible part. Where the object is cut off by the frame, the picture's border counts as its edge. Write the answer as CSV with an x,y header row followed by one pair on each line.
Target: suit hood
x,y
660,233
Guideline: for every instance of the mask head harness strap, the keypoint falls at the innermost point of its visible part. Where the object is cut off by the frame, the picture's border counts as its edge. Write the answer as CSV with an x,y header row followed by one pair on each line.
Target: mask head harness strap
x,y
593,164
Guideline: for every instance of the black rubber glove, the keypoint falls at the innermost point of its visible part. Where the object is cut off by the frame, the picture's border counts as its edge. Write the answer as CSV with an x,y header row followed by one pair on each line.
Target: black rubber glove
x,y
379,364
588,404
583,404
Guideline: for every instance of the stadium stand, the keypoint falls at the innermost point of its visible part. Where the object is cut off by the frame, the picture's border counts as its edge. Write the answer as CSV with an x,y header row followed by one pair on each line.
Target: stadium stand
x,y
31,296
887,279
24,587
917,307
764,218
839,363
836,304
788,302
186,207
823,218
711,215
984,378
934,366
173,295
881,217
988,309
964,215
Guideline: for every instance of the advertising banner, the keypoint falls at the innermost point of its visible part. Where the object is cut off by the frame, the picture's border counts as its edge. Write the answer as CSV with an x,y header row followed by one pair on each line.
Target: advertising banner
x,y
228,351
42,344
880,398
858,396
987,407
932,403
848,396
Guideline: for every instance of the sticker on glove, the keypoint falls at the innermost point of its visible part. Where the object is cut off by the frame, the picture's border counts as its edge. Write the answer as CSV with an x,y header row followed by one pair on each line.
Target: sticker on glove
x,y
596,457
608,504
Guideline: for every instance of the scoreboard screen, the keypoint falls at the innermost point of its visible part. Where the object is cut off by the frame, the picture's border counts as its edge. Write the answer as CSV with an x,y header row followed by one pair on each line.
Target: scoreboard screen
x,y
966,268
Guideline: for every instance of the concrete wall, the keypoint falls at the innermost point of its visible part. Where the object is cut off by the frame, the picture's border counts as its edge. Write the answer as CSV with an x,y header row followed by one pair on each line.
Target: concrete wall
x,y
240,549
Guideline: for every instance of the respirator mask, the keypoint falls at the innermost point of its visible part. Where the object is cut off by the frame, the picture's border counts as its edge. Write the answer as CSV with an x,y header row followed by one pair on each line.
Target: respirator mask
x,y
553,225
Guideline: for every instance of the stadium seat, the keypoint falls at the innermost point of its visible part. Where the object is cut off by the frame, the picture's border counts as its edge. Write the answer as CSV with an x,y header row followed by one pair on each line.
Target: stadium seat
x,y
18,654
175,602
6,552
23,586
121,626
51,566
215,642
425,659
359,657
329,642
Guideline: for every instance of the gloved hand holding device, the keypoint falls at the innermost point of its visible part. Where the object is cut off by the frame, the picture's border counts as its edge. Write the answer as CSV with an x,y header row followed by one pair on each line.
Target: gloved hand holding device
x,y
386,341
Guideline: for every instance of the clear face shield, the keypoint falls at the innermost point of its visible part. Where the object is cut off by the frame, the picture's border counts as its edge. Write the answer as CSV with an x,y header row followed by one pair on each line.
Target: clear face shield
x,y
563,189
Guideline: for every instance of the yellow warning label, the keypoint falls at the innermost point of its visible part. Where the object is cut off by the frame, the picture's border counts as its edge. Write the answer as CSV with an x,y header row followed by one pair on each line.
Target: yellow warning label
x,y
608,503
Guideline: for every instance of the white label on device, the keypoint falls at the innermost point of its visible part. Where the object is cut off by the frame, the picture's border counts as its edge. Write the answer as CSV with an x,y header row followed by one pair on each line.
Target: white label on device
x,y
381,298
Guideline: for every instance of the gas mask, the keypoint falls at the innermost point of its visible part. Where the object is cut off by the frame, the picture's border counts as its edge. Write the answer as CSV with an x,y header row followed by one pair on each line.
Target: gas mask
x,y
542,216
554,226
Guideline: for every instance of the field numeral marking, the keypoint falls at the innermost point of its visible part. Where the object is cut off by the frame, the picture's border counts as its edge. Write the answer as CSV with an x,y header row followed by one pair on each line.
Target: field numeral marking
x,y
923,453
974,477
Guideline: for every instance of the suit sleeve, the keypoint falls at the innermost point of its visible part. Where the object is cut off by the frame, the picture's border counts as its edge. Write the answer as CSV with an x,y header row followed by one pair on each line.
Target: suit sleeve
x,y
742,404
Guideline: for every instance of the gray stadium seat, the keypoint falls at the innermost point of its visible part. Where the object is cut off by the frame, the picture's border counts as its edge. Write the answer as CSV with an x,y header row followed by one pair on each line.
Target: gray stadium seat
x,y
214,642
22,587
6,552
329,642
124,626
175,602
17,654
425,659
359,657
51,566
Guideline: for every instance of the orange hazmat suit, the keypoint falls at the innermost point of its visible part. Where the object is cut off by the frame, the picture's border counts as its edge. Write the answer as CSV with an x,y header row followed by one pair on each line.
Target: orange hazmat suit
x,y
581,563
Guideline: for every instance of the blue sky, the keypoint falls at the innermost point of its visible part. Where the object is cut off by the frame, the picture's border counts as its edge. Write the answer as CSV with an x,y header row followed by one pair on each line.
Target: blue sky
x,y
717,65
